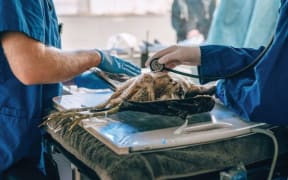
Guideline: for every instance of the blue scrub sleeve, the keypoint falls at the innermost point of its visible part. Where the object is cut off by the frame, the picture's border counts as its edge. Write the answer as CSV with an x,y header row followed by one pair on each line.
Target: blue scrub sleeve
x,y
220,61
24,16
259,94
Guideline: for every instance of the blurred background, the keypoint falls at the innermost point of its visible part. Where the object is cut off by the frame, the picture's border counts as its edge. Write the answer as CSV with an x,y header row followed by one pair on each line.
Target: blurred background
x,y
133,29
139,26
91,23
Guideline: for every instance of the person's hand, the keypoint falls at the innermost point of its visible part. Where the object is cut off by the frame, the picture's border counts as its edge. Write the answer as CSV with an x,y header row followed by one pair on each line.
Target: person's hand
x,y
177,55
113,64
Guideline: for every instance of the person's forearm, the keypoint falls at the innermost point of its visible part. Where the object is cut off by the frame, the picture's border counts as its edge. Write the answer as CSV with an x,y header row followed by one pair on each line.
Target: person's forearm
x,y
64,65
32,62
220,61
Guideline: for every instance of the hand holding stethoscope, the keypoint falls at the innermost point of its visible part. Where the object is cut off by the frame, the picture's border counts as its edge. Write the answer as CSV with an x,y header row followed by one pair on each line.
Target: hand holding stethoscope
x,y
177,55
174,56
167,59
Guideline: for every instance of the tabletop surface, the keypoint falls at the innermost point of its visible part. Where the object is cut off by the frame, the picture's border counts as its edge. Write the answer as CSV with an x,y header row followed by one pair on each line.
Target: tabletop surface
x,y
180,162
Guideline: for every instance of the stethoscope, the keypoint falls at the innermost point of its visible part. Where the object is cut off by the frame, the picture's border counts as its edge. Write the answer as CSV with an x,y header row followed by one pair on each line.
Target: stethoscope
x,y
155,66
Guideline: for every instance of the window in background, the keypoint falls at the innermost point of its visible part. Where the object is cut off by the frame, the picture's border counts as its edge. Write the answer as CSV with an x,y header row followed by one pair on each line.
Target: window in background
x,y
66,6
112,7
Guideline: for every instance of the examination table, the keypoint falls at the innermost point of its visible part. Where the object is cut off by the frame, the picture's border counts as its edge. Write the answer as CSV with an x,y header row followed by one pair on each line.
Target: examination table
x,y
197,161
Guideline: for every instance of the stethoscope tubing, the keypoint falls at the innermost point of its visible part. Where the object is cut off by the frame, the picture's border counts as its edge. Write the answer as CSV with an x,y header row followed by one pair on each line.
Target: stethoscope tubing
x,y
212,78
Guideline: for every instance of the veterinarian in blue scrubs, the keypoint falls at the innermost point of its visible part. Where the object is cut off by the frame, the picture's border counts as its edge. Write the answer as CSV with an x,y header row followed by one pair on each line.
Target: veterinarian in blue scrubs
x,y
258,94
31,65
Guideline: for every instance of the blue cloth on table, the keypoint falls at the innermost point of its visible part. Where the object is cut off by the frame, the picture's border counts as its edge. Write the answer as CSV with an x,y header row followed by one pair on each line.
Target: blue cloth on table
x,y
90,80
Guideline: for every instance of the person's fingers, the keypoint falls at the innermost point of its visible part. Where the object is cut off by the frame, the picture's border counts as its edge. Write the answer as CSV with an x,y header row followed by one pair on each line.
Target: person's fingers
x,y
161,53
172,65
170,58
166,51
131,69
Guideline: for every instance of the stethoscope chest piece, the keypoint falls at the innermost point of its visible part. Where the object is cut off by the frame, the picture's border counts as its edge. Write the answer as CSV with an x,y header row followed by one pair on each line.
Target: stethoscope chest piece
x,y
155,66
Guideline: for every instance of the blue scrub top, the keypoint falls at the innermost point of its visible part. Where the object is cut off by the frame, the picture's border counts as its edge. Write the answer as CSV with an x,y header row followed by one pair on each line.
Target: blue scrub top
x,y
22,107
259,94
